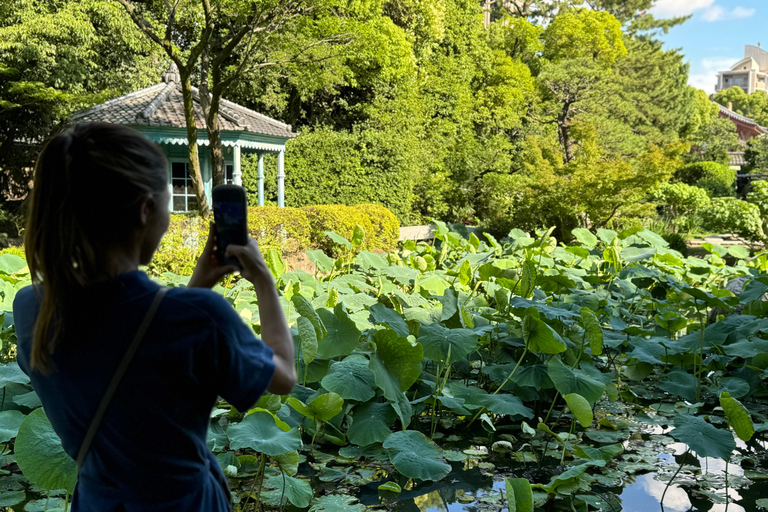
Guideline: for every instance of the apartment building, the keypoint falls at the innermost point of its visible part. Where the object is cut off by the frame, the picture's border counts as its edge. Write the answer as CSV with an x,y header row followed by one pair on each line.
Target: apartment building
x,y
749,73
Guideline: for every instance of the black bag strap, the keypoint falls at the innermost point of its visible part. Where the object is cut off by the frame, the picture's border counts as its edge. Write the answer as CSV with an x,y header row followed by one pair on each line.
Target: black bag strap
x,y
117,377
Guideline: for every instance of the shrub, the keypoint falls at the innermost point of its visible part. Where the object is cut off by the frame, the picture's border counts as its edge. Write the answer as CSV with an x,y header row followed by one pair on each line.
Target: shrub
x,y
681,199
181,246
717,179
323,166
759,196
18,251
341,219
282,229
728,214
386,228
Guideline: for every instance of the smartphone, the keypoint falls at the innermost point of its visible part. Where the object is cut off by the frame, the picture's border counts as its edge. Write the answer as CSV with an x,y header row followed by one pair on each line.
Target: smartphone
x,y
230,216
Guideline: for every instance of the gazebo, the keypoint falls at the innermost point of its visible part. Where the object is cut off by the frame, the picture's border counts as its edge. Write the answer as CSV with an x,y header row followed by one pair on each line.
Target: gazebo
x,y
158,113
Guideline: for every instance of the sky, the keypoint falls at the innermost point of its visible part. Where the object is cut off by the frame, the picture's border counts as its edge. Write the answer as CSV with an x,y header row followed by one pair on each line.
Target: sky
x,y
713,39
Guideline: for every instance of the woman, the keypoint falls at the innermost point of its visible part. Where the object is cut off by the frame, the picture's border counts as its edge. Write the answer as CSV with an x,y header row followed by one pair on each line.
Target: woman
x,y
98,210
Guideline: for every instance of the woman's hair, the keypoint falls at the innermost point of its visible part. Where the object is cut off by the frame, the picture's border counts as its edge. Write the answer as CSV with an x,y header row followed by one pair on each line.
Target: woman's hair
x,y
88,185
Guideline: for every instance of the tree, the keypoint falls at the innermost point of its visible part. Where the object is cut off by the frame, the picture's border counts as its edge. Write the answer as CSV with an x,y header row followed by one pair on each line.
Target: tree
x,y
756,155
184,47
753,105
57,57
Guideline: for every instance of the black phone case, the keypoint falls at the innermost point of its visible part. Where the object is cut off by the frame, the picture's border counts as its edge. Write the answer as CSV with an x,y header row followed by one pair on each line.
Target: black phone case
x,y
230,215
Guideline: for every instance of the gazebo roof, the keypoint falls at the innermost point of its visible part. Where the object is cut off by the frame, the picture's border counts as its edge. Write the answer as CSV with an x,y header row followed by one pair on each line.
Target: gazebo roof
x,y
162,106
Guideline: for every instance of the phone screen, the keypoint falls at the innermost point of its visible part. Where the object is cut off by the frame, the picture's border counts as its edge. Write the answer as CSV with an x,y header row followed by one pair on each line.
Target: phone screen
x,y
229,214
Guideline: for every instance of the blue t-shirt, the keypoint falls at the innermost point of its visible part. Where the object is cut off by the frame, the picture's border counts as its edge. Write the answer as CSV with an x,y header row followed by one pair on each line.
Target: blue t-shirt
x,y
150,452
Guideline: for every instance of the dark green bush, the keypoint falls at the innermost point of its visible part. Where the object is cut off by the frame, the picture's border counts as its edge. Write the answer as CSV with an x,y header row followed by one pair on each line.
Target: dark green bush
x,y
717,179
323,166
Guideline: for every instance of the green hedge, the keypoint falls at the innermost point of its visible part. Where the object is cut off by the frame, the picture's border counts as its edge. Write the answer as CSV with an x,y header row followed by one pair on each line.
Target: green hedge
x,y
717,179
287,230
731,215
324,166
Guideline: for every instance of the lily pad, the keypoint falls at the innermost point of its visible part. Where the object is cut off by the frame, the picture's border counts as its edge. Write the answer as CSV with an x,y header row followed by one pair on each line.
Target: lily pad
x,y
415,456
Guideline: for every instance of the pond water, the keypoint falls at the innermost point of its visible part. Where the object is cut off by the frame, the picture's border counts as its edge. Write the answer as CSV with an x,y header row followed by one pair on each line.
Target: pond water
x,y
651,458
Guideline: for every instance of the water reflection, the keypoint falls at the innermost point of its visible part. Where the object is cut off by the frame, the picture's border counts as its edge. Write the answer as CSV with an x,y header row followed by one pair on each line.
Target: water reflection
x,y
644,495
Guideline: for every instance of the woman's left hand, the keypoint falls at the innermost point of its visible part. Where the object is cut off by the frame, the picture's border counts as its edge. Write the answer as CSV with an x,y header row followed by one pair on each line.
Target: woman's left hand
x,y
209,271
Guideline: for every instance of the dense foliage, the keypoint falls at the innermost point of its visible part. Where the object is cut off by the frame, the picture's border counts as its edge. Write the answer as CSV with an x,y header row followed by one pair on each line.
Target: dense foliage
x,y
543,351
285,230
419,106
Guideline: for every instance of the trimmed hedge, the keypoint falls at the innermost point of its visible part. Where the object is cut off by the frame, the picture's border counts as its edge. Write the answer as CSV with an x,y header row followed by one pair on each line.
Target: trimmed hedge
x,y
287,230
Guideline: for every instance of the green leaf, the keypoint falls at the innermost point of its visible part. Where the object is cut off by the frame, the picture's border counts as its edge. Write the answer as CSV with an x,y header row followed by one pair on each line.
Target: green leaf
x,y
40,455
298,492
574,381
465,273
438,341
703,438
321,408
305,309
738,251
12,373
11,264
738,417
323,262
308,339
680,383
580,408
540,337
593,331
337,238
383,315
585,237
358,236
351,378
519,495
371,423
259,432
10,498
528,279
47,505
288,462
343,335
606,453
336,503
275,263
396,364
390,487
10,421
415,456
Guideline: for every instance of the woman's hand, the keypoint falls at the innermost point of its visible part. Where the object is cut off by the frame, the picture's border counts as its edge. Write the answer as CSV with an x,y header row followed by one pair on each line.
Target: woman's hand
x,y
253,266
209,271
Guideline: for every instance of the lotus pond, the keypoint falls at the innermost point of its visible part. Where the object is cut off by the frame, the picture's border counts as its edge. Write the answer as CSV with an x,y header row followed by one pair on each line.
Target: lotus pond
x,y
521,374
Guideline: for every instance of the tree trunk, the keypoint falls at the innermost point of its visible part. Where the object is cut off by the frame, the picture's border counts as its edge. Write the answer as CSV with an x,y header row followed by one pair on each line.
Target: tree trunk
x,y
195,172
211,103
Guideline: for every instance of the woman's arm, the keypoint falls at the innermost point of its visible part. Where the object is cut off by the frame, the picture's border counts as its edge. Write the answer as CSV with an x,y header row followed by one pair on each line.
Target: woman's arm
x,y
274,327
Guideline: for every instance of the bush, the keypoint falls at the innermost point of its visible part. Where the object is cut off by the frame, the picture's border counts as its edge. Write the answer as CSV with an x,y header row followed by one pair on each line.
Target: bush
x,y
681,199
731,215
341,219
282,229
386,228
18,251
717,179
181,246
286,230
323,166
759,196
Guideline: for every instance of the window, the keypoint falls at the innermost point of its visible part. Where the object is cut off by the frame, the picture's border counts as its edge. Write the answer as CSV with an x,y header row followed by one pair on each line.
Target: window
x,y
229,178
182,190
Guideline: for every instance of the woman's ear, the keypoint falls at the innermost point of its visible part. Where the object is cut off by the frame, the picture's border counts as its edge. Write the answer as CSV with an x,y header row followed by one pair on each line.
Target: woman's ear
x,y
147,209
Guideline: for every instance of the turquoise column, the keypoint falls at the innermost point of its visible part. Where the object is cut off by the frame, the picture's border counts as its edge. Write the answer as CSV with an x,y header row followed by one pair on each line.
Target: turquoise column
x,y
281,179
261,178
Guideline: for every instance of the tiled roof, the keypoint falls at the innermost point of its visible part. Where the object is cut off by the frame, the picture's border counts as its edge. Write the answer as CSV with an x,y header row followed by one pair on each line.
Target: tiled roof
x,y
739,117
736,158
162,105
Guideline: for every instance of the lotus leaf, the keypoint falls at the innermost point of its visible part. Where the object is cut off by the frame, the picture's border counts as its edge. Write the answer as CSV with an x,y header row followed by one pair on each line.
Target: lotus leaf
x,y
40,455
351,378
259,432
415,456
703,438
396,364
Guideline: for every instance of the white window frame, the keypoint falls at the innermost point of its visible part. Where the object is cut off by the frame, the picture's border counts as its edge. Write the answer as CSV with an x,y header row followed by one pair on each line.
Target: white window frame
x,y
187,182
